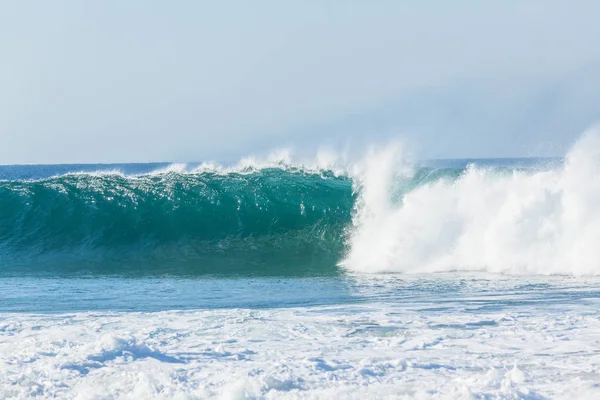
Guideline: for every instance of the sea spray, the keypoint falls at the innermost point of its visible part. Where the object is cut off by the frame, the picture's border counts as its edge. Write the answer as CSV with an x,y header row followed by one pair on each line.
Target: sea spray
x,y
532,221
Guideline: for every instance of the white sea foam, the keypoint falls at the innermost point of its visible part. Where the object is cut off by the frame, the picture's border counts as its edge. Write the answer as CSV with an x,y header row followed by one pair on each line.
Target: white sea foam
x,y
524,222
381,351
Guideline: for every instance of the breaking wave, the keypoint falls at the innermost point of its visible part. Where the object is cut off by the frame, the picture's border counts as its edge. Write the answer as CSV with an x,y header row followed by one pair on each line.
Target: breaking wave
x,y
378,215
539,220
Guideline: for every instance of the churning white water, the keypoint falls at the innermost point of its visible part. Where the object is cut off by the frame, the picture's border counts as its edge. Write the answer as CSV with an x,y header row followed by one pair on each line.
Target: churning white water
x,y
536,221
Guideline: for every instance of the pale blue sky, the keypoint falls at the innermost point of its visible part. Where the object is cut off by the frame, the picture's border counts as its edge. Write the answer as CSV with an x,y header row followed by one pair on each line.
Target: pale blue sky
x,y
119,81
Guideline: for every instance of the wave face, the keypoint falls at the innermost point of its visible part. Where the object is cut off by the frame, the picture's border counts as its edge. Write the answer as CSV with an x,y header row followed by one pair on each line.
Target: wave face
x,y
378,215
268,221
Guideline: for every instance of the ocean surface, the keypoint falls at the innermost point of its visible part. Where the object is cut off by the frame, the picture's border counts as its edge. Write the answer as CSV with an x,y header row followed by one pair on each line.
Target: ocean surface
x,y
282,279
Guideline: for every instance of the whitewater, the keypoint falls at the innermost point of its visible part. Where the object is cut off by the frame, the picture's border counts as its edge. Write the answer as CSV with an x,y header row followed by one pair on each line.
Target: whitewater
x,y
375,277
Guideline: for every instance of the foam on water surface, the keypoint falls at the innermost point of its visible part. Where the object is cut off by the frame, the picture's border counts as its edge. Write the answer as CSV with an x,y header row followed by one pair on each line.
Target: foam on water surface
x,y
455,337
322,352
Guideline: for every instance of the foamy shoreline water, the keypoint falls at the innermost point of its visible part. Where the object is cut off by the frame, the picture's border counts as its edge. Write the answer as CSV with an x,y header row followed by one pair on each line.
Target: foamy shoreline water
x,y
389,351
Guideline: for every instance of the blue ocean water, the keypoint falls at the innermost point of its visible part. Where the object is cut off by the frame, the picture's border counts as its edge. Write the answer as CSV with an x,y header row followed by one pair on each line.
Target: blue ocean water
x,y
468,291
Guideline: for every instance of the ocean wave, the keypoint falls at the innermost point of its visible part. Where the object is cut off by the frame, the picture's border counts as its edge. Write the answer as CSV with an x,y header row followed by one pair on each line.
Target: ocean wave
x,y
278,216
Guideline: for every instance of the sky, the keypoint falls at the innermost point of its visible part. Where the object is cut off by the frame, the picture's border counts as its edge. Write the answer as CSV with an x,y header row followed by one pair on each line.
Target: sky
x,y
145,80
